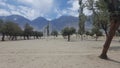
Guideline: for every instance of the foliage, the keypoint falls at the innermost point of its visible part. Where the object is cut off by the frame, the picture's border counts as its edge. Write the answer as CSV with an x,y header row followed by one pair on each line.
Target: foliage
x,y
1,25
37,34
54,33
67,31
88,33
28,29
96,32
100,14
13,30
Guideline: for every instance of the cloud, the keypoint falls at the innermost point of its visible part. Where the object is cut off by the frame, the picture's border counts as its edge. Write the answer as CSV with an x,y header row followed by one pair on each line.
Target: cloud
x,y
9,9
73,10
87,12
4,12
32,9
38,4
75,7
38,7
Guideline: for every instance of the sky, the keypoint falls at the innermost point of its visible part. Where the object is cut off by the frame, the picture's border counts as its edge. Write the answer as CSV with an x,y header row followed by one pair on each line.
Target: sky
x,y
31,9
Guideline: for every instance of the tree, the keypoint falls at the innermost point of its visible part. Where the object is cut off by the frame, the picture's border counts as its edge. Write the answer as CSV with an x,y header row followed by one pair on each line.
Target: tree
x,y
97,32
82,19
54,33
10,29
48,29
40,34
67,31
92,5
87,32
1,25
2,30
37,34
103,15
114,24
118,33
27,31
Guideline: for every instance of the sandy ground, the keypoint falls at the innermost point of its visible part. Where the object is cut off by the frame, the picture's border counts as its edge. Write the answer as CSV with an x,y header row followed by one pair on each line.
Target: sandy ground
x,y
57,53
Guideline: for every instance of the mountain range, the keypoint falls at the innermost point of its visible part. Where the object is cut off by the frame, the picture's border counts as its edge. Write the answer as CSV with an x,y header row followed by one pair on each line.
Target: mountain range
x,y
40,22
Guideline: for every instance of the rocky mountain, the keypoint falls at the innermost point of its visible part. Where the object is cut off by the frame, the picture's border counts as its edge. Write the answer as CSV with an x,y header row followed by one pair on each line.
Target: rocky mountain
x,y
40,22
17,19
64,21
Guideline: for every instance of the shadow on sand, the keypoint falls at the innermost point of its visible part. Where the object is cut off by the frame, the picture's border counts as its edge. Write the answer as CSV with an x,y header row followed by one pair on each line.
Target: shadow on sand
x,y
115,48
112,60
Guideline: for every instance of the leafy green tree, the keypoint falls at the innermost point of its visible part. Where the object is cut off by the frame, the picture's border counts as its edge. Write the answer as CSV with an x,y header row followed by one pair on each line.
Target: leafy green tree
x,y
40,34
1,24
87,32
10,29
100,14
67,31
2,30
97,32
34,34
37,34
27,31
54,33
103,15
114,15
91,5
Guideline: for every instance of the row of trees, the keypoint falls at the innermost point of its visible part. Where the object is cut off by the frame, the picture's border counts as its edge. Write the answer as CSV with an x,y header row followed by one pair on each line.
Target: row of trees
x,y
68,31
12,31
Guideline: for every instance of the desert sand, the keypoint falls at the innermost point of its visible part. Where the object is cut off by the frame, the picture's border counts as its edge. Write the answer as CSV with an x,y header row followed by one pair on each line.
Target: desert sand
x,y
57,53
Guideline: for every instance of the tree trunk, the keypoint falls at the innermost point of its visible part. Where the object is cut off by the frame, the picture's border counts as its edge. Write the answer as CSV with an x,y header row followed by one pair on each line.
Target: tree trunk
x,y
34,37
3,37
13,37
68,38
113,27
96,38
106,33
118,38
24,37
105,27
37,37
10,37
27,37
81,37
